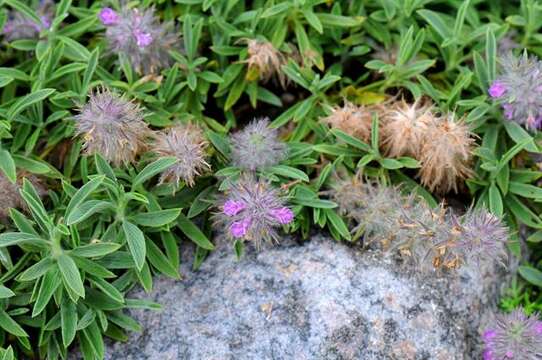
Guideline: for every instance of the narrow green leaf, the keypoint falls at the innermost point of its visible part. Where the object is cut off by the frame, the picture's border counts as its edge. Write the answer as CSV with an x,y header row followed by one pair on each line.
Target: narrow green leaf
x,y
136,243
70,275
193,232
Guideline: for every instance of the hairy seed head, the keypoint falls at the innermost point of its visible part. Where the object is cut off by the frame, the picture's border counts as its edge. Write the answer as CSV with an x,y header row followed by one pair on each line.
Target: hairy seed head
x,y
112,126
252,210
140,36
353,119
404,128
265,61
513,336
257,146
446,154
519,90
187,144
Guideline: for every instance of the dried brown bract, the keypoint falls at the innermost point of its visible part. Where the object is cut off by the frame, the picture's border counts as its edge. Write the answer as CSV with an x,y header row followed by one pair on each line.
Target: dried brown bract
x,y
446,154
353,119
264,61
405,127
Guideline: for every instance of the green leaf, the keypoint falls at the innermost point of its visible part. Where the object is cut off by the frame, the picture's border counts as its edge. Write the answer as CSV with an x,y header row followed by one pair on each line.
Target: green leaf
x,y
36,270
156,218
193,232
136,243
290,172
5,292
154,168
519,135
337,222
70,275
10,325
68,318
95,250
18,238
28,100
85,210
532,275
491,55
24,9
48,286
83,193
7,165
495,200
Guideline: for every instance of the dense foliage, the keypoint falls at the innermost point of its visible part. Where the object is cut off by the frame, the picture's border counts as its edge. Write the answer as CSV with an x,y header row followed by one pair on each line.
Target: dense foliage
x,y
128,126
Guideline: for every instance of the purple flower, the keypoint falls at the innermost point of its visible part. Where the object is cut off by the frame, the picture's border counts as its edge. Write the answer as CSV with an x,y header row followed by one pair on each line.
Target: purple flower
x,y
232,207
257,146
252,209
497,89
282,215
513,336
519,88
538,328
141,37
19,26
108,16
239,229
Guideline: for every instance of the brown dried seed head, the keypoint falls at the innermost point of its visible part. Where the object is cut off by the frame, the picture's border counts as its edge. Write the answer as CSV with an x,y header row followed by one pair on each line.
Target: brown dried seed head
x,y
353,119
265,60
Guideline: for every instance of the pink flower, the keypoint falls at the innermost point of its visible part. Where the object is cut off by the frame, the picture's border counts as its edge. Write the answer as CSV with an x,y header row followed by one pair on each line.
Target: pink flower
x,y
108,16
239,228
489,335
232,207
487,355
538,328
497,89
283,215
142,39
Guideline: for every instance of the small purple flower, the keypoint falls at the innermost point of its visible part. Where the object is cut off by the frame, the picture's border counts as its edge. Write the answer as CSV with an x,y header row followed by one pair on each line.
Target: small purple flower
x,y
232,207
282,215
19,26
538,328
489,335
142,39
108,16
487,355
254,210
238,229
497,89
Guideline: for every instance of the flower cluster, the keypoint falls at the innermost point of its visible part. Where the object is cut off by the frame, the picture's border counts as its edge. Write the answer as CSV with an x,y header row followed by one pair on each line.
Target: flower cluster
x,y
187,144
513,336
251,210
407,224
19,26
519,90
441,143
139,35
112,126
257,146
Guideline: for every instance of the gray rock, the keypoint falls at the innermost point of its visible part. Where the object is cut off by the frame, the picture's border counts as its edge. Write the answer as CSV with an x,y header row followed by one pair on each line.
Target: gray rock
x,y
321,300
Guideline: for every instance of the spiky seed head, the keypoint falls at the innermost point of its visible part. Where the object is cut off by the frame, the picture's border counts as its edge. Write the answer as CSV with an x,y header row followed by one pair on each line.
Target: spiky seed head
x,y
186,143
257,146
140,36
19,26
404,128
446,154
252,210
513,336
10,196
265,61
482,238
112,127
353,119
519,90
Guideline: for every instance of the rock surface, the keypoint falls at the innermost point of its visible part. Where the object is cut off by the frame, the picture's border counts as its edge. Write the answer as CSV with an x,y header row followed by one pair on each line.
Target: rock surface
x,y
321,300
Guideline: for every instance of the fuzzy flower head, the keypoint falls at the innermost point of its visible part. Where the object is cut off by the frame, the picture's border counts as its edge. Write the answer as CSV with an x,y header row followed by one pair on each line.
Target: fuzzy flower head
x,y
112,126
446,154
264,61
187,144
353,119
140,36
252,210
257,146
19,26
404,128
513,336
519,90
482,237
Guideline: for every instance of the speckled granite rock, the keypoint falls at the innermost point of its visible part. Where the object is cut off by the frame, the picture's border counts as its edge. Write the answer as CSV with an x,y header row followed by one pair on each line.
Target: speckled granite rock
x,y
322,300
